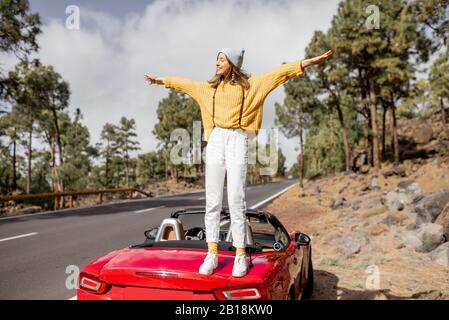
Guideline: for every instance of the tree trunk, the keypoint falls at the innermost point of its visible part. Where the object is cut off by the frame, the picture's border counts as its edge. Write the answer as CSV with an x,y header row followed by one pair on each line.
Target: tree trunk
x,y
166,167
106,172
30,149
126,172
369,140
374,129
384,115
345,138
319,164
58,141
301,168
14,169
394,132
443,111
53,165
174,174
107,182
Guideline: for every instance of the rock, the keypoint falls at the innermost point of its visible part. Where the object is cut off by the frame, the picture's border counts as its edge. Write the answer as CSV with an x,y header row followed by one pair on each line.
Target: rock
x,y
408,164
410,240
426,238
137,195
343,188
10,203
352,244
377,229
359,160
411,226
366,202
388,173
374,184
364,169
374,211
390,220
443,219
400,171
395,201
317,191
340,202
423,134
444,134
431,236
28,210
440,255
409,186
430,206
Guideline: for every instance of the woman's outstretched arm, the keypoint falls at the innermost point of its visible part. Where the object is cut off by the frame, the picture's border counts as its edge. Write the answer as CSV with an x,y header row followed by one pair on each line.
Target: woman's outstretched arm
x,y
316,60
152,79
194,89
279,75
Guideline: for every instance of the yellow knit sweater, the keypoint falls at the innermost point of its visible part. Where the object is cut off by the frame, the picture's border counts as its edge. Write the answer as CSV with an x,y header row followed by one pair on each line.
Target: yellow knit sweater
x,y
228,98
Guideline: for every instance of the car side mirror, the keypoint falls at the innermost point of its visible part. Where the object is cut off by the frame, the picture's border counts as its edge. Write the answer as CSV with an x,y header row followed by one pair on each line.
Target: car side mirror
x,y
151,233
302,239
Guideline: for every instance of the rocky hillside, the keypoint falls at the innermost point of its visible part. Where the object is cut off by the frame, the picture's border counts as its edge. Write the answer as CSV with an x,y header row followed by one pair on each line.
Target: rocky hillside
x,y
380,235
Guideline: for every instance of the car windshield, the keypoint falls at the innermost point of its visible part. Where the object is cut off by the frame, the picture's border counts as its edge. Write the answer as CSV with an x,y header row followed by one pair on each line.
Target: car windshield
x,y
264,235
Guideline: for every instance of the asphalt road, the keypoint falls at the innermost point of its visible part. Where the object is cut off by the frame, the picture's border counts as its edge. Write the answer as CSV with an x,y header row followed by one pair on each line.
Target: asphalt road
x,y
36,250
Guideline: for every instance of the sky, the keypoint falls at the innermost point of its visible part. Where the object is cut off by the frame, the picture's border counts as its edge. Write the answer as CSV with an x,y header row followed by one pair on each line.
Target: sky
x,y
119,41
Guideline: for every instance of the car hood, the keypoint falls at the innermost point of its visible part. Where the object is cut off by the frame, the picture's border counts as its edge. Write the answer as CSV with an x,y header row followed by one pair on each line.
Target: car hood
x,y
178,269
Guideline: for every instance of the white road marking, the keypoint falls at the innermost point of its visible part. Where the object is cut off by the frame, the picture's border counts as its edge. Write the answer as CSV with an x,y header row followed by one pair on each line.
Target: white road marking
x,y
19,236
149,209
272,197
73,298
201,198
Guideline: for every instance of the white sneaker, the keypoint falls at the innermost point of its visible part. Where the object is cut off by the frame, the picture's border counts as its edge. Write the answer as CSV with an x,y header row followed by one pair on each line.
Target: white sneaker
x,y
240,266
210,264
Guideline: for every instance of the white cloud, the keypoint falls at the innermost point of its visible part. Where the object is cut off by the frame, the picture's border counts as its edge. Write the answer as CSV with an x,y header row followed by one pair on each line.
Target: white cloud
x,y
105,60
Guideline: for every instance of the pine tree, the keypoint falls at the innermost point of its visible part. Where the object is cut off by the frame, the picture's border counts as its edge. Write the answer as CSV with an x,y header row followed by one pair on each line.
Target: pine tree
x,y
175,111
18,31
439,83
126,143
109,150
77,153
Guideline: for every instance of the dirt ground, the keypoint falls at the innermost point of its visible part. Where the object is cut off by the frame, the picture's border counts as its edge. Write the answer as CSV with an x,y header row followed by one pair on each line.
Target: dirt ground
x,y
383,268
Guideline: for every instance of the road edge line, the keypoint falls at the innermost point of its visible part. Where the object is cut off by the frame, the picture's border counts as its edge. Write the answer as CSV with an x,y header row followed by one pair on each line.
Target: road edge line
x,y
273,196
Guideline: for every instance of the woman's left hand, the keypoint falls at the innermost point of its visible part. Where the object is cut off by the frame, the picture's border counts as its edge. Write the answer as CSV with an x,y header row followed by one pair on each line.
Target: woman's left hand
x,y
317,60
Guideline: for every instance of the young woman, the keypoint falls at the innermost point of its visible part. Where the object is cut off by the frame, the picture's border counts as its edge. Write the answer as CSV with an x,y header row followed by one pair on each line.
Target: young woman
x,y
231,111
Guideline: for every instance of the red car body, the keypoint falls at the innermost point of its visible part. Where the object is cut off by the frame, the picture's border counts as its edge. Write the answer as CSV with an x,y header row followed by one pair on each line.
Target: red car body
x,y
168,270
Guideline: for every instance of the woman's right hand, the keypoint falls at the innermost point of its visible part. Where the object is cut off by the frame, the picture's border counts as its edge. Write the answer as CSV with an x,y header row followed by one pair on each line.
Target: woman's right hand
x,y
152,79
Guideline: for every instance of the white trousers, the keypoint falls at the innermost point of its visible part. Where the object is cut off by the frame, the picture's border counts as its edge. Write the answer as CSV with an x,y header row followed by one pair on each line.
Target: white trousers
x,y
226,153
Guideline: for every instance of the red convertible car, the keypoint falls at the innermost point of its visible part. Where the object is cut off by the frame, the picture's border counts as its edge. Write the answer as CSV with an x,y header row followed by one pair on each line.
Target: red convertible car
x,y
165,266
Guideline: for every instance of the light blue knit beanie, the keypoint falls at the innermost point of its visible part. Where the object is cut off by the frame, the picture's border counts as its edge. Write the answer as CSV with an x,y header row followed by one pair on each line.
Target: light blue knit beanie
x,y
233,55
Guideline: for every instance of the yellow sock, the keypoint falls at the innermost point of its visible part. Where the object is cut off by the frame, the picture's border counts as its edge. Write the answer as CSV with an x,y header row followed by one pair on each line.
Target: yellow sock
x,y
213,247
240,251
